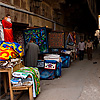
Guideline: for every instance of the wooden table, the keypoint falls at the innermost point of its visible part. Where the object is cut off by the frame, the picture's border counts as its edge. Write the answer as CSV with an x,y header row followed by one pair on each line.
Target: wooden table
x,y
8,70
11,88
29,87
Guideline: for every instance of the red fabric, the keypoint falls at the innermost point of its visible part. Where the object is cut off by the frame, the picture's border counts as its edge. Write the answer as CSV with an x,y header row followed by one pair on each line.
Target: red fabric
x,y
8,35
8,32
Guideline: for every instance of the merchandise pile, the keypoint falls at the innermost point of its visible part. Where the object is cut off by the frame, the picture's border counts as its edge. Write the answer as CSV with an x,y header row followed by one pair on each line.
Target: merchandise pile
x,y
10,56
27,76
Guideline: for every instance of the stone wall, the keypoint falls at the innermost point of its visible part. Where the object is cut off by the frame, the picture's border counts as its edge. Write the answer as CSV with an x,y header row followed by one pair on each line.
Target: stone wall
x,y
19,15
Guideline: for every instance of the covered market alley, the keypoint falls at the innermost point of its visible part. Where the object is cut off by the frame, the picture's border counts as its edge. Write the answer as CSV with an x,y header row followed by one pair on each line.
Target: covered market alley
x,y
57,26
81,81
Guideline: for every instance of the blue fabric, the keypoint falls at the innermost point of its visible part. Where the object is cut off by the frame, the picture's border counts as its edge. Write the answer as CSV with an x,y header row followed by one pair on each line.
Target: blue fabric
x,y
65,61
1,42
49,73
46,73
58,70
50,61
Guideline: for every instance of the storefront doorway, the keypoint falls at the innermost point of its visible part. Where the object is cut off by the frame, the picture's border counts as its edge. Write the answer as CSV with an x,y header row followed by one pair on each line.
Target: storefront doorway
x,y
18,32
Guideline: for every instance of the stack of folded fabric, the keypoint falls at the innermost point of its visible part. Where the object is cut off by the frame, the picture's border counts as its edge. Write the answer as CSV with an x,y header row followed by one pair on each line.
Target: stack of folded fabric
x,y
27,76
53,62
10,63
52,57
19,80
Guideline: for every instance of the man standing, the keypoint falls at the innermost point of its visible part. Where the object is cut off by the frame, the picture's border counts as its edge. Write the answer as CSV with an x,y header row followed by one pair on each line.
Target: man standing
x,y
96,42
89,48
81,47
31,53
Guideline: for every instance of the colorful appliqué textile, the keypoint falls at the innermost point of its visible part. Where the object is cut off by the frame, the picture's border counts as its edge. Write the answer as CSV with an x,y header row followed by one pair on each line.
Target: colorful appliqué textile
x,y
15,46
56,40
40,37
7,53
25,72
50,64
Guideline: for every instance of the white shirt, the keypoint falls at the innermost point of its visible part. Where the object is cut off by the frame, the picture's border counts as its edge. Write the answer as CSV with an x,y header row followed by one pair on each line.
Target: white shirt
x,y
89,44
81,45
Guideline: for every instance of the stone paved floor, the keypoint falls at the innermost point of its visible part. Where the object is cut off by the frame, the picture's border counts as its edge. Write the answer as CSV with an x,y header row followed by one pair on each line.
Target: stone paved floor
x,y
91,89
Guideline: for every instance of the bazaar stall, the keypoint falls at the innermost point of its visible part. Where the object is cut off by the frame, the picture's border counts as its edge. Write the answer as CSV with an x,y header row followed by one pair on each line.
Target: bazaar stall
x,y
50,67
64,44
20,77
70,44
41,38
50,44
57,44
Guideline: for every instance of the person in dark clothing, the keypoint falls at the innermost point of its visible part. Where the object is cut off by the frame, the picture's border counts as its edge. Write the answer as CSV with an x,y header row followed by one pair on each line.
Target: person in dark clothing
x,y
31,53
96,42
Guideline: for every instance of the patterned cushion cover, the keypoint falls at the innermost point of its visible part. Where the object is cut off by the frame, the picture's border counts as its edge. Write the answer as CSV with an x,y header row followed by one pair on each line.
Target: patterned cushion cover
x,y
50,64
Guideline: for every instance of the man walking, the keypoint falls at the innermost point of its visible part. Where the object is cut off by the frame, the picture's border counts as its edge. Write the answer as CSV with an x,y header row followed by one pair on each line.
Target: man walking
x,y
89,48
81,47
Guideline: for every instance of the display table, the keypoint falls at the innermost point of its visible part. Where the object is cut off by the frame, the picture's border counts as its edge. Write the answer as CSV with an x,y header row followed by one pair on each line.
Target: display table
x,y
8,70
11,88
23,88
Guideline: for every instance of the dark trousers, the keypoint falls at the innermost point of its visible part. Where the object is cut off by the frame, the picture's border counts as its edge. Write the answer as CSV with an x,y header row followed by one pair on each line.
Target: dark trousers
x,y
96,46
81,54
89,53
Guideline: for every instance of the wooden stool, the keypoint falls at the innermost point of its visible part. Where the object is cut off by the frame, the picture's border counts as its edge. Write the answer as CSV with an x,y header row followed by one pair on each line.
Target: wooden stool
x,y
23,88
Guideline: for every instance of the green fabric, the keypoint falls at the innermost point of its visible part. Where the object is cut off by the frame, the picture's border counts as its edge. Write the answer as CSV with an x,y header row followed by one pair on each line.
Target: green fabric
x,y
36,76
